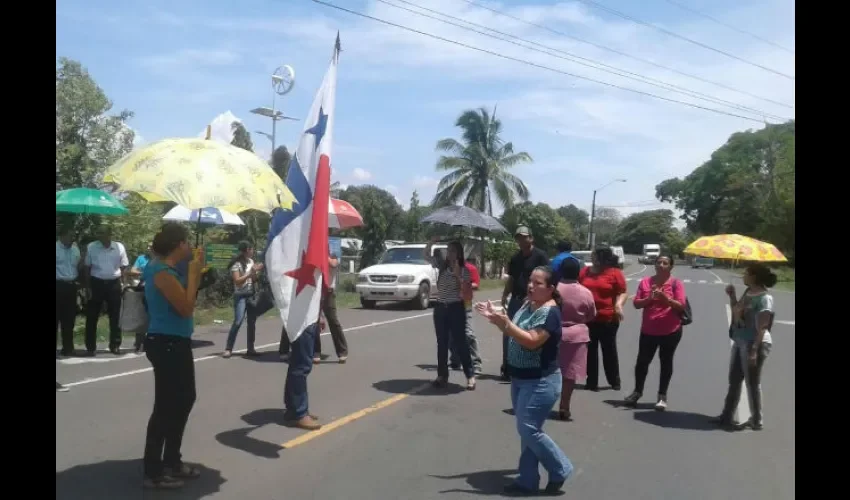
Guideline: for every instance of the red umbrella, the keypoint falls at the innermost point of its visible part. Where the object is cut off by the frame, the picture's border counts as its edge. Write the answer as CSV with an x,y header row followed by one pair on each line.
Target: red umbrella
x,y
342,215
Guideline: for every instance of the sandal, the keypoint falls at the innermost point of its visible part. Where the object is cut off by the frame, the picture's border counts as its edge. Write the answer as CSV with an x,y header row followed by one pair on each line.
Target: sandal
x,y
162,483
226,354
184,471
470,384
565,415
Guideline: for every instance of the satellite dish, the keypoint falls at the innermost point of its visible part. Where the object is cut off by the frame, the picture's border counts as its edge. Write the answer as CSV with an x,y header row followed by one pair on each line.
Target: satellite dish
x,y
283,79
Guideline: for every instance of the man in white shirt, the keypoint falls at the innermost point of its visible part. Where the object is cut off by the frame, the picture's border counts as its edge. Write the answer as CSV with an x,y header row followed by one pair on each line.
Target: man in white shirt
x,y
68,265
105,262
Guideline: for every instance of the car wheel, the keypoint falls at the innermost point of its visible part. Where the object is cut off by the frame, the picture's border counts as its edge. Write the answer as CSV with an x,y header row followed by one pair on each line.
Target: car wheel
x,y
423,300
366,303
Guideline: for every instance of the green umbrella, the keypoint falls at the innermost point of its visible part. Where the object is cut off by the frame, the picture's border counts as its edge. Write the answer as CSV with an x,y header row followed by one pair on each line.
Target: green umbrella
x,y
88,201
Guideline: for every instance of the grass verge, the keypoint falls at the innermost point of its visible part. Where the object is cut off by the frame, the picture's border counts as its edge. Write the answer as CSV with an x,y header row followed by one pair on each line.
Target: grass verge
x,y
786,277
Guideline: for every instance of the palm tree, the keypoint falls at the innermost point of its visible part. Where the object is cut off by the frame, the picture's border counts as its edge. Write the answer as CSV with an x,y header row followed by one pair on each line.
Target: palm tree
x,y
479,165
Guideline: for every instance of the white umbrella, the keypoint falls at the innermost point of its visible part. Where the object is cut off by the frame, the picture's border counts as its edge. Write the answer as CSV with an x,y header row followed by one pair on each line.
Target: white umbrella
x,y
214,216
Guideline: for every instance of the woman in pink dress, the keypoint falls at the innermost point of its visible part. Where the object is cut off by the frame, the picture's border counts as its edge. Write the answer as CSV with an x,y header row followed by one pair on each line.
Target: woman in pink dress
x,y
577,310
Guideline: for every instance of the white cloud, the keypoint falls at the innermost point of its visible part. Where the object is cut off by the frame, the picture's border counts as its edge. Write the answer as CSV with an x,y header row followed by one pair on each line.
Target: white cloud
x,y
391,188
181,59
361,175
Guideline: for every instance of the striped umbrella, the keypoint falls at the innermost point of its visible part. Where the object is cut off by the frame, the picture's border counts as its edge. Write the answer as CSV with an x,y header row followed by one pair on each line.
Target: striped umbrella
x,y
342,215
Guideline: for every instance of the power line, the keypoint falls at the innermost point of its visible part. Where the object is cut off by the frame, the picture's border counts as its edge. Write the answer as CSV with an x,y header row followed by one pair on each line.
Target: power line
x,y
573,58
529,63
733,28
625,54
635,20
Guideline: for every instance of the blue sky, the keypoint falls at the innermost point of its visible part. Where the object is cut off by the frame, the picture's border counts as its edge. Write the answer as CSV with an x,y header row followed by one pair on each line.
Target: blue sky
x,y
177,65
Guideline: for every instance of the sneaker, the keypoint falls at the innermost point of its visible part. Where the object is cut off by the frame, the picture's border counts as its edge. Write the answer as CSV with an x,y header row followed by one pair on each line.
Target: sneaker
x,y
661,405
632,399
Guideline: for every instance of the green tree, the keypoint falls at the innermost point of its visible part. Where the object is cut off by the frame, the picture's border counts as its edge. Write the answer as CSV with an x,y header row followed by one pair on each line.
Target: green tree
x,y
746,187
375,232
651,226
547,227
415,230
499,253
88,138
576,217
136,229
479,165
241,137
392,211
605,224
280,161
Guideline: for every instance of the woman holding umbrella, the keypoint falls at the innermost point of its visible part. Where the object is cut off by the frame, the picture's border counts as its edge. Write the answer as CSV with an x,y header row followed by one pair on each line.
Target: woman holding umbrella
x,y
453,283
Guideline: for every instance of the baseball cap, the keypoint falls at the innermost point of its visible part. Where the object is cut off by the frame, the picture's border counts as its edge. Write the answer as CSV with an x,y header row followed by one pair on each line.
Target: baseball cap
x,y
522,231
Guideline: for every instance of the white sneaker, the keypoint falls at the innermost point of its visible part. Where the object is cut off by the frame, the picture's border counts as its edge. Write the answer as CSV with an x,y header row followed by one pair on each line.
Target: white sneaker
x,y
661,405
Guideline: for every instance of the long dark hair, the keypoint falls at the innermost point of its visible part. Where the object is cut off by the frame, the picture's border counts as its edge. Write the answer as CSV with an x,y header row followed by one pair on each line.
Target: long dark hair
x,y
605,257
763,275
458,254
168,239
551,281
243,247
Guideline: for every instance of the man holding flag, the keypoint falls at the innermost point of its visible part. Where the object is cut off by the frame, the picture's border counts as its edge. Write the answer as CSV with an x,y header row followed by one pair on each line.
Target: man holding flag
x,y
297,251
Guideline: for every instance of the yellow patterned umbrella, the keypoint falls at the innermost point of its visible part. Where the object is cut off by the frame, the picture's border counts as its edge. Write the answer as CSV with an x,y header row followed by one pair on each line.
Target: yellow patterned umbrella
x,y
735,247
198,173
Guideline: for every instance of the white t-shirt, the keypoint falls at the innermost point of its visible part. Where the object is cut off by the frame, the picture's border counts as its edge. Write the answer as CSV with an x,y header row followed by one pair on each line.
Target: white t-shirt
x,y
242,270
106,262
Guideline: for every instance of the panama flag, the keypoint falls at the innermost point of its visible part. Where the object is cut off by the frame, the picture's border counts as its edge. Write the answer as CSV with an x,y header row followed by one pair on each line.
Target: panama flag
x,y
297,250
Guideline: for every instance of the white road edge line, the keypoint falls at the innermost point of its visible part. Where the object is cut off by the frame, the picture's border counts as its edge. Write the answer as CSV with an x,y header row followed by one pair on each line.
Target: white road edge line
x,y
259,348
719,279
638,272
742,413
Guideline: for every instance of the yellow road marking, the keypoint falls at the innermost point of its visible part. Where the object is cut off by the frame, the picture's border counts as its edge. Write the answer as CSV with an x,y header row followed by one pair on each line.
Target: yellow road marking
x,y
336,424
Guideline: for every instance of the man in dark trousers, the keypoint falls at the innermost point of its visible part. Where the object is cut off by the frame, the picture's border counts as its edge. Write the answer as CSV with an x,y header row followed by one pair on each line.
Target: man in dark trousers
x,y
68,263
105,262
330,313
295,397
520,268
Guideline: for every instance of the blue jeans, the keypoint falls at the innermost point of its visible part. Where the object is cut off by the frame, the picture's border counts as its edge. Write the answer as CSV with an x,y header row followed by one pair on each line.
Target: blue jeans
x,y
300,365
532,400
241,310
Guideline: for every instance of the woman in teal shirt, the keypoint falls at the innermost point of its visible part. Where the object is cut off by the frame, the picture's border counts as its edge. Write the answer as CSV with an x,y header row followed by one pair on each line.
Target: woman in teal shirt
x,y
752,318
171,304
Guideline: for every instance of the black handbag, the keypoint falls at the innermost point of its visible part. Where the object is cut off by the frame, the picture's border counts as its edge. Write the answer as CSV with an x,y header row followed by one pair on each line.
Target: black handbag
x,y
262,300
687,315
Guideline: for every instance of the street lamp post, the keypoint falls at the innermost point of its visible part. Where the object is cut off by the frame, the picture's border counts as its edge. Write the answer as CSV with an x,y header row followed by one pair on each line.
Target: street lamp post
x,y
591,238
283,80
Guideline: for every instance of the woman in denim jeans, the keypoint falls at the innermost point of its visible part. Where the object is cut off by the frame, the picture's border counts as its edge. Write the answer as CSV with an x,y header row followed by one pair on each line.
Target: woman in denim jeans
x,y
752,317
533,339
244,271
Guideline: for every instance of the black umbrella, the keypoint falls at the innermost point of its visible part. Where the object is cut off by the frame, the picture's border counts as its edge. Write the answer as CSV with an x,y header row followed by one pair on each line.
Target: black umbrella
x,y
455,215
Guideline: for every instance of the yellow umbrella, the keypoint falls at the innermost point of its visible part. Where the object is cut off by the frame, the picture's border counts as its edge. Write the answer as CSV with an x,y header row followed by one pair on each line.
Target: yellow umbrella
x,y
736,247
198,173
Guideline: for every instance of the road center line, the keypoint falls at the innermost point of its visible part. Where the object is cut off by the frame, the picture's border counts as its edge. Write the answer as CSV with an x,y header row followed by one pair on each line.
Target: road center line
x,y
351,417
261,347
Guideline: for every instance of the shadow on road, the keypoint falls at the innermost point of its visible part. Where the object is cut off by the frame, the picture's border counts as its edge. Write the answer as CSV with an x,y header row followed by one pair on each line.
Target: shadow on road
x,y
123,479
240,439
403,386
486,482
677,420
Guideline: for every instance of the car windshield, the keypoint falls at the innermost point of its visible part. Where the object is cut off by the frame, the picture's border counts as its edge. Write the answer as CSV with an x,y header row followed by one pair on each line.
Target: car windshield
x,y
404,256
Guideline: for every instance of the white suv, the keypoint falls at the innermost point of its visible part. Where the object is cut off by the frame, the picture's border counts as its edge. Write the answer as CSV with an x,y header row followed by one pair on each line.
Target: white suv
x,y
401,275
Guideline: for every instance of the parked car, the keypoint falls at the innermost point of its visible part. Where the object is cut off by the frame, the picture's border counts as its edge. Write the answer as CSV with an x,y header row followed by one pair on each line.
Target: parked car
x,y
584,256
702,262
402,275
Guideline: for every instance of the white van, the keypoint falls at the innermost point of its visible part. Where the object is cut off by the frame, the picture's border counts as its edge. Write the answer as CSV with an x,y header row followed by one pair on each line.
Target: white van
x,y
621,255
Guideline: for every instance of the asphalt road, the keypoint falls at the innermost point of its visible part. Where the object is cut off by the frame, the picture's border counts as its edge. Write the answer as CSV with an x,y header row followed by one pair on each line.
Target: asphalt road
x,y
385,444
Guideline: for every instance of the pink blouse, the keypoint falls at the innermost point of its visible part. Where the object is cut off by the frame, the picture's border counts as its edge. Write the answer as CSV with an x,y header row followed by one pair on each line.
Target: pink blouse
x,y
578,309
659,319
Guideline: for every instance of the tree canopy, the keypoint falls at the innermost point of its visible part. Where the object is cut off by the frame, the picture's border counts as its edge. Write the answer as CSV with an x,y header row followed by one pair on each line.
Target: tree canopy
x,y
746,187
